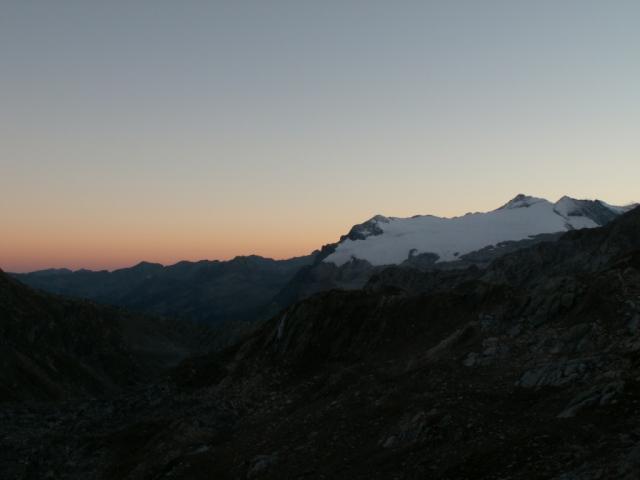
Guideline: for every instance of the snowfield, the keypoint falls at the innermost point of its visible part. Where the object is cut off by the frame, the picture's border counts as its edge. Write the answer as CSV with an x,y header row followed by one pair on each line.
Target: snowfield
x,y
449,238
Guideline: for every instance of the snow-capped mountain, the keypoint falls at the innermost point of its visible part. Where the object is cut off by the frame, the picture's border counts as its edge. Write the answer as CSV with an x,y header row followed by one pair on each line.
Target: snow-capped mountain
x,y
390,240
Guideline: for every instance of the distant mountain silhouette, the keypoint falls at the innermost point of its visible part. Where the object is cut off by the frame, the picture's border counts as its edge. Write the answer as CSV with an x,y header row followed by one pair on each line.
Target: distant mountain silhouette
x,y
206,291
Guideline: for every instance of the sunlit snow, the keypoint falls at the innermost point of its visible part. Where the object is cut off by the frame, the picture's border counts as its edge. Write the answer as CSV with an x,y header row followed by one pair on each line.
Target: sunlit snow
x,y
449,238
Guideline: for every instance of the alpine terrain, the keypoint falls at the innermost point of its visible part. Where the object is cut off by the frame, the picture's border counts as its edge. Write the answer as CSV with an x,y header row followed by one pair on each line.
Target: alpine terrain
x,y
523,368
232,295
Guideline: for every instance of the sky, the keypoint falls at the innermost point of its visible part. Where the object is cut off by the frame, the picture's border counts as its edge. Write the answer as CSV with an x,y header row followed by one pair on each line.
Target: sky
x,y
161,131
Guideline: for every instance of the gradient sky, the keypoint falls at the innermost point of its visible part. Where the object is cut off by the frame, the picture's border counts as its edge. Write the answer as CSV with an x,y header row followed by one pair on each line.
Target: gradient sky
x,y
166,130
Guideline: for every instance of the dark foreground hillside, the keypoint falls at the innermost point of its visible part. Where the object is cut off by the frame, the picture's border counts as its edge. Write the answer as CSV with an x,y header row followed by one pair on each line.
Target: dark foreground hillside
x,y
52,348
527,369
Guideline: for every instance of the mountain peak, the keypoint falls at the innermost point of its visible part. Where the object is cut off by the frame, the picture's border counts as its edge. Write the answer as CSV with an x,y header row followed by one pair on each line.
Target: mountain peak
x,y
144,267
521,201
566,202
596,210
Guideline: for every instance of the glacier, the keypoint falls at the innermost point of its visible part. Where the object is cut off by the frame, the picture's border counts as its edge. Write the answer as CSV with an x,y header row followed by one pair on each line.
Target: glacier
x,y
391,240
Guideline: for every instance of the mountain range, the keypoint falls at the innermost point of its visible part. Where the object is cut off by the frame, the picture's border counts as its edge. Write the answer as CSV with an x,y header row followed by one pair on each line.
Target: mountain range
x,y
391,241
524,366
209,292
251,288
427,242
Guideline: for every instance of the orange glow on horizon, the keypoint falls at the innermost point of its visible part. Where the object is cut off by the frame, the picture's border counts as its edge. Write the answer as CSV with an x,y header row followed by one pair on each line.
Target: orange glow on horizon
x,y
39,241
22,255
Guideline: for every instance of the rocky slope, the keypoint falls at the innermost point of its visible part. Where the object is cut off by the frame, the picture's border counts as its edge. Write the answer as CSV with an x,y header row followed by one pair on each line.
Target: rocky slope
x,y
56,348
526,369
